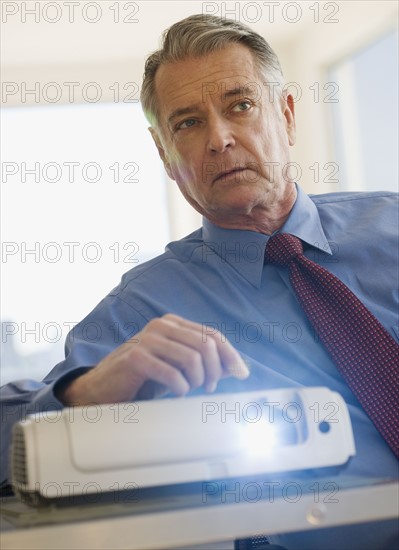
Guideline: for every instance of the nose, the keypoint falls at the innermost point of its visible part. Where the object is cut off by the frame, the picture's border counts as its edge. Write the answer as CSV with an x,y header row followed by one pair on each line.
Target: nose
x,y
220,137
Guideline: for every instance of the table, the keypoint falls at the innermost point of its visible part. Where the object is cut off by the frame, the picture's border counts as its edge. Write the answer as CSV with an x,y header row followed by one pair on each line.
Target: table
x,y
209,513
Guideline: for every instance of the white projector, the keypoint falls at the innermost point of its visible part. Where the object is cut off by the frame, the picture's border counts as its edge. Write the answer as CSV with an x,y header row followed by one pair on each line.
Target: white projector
x,y
108,448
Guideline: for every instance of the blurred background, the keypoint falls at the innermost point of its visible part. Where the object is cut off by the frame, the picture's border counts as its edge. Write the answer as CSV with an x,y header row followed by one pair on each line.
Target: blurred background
x,y
84,195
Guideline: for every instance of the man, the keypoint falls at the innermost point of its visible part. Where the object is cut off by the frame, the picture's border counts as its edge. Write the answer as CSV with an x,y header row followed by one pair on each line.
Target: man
x,y
209,314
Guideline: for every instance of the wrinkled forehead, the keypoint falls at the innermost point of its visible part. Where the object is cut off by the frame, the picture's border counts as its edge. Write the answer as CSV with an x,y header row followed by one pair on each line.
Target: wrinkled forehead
x,y
211,77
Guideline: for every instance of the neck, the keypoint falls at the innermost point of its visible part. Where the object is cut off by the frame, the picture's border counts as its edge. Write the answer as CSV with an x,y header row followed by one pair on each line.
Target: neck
x,y
261,219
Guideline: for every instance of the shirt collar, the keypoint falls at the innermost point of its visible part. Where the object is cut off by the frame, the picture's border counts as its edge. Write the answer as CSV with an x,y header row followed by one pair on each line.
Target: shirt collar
x,y
244,250
304,222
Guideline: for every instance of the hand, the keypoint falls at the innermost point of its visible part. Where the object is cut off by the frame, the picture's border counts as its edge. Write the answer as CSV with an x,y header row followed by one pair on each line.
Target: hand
x,y
170,354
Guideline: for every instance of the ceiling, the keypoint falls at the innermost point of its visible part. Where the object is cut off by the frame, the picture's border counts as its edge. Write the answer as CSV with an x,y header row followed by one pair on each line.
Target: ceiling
x,y
31,39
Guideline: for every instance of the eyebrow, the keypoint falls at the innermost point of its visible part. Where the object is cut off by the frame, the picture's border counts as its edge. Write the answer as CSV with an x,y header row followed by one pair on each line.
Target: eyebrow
x,y
238,91
181,112
193,109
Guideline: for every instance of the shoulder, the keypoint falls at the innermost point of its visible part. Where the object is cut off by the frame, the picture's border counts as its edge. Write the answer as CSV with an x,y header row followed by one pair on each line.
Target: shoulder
x,y
351,206
355,199
176,253
359,216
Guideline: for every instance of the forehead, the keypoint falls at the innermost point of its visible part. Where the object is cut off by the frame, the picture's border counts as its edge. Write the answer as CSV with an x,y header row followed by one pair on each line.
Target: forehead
x,y
196,80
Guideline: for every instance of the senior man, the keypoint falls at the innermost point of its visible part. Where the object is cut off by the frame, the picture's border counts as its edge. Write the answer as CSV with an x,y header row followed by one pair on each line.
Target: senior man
x,y
210,313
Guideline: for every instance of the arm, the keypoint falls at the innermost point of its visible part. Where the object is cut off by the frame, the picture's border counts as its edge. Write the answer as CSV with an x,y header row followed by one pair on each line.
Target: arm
x,y
169,354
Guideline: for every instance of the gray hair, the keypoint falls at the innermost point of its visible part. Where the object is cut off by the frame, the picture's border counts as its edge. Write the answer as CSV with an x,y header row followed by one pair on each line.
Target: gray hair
x,y
200,35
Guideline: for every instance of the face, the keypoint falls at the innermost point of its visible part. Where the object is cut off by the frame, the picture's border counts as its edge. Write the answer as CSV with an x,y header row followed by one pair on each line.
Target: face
x,y
225,139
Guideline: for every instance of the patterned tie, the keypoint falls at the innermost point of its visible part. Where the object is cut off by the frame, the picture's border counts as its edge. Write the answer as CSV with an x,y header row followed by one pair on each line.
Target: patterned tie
x,y
364,352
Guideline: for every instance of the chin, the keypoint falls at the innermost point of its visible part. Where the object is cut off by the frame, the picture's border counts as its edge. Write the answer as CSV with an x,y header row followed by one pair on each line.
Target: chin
x,y
240,200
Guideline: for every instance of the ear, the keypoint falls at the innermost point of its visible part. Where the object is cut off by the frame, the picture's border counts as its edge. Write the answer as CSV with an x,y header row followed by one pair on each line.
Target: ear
x,y
289,115
161,151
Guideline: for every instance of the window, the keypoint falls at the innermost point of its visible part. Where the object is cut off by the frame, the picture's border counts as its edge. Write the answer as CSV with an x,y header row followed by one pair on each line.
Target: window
x,y
366,117
84,200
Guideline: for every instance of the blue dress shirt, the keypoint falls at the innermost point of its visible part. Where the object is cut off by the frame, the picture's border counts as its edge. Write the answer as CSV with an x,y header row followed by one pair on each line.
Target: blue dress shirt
x,y
217,277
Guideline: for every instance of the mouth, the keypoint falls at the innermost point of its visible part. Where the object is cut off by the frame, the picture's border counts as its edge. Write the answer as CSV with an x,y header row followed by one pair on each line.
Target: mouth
x,y
232,174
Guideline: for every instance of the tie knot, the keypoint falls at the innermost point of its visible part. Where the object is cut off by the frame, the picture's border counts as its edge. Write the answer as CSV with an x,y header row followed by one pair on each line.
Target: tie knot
x,y
282,248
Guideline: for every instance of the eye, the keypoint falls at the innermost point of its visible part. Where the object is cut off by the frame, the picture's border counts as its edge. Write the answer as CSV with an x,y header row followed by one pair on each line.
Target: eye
x,y
188,123
242,106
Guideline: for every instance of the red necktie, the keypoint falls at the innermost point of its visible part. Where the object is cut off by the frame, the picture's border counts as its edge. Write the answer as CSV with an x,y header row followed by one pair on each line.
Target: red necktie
x,y
363,351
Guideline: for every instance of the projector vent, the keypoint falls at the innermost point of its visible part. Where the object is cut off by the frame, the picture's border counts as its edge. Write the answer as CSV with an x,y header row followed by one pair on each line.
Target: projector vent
x,y
19,466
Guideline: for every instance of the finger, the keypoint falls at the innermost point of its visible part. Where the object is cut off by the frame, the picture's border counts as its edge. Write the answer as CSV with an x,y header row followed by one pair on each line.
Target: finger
x,y
147,367
228,357
200,361
186,358
232,362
